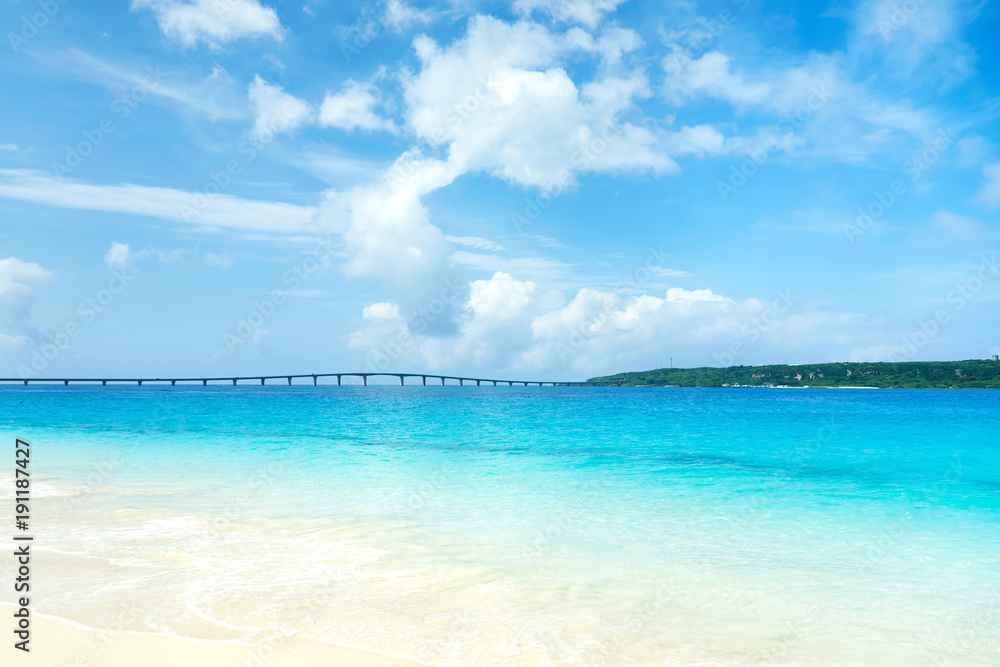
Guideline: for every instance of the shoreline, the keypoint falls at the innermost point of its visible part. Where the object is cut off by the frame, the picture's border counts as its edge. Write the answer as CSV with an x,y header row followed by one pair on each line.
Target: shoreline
x,y
57,641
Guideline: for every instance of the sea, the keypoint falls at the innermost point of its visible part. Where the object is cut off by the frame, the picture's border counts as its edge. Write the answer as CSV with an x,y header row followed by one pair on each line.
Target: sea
x,y
522,525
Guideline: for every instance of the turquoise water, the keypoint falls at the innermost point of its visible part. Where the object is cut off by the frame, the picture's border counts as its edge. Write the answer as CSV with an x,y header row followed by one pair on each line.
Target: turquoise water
x,y
528,525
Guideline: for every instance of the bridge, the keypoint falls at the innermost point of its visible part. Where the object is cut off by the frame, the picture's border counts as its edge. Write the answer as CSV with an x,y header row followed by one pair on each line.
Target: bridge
x,y
313,376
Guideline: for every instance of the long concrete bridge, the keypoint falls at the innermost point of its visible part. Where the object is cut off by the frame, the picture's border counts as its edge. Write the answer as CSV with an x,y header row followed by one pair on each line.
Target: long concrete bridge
x,y
313,376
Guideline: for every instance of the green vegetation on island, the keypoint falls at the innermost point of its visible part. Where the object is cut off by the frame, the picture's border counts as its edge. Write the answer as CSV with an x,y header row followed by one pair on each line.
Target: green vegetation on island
x,y
972,374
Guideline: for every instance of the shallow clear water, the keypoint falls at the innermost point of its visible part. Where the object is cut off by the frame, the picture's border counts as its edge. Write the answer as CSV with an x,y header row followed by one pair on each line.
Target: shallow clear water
x,y
526,525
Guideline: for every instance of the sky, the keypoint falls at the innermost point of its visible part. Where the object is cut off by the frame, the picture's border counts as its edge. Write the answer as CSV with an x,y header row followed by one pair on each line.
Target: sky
x,y
541,190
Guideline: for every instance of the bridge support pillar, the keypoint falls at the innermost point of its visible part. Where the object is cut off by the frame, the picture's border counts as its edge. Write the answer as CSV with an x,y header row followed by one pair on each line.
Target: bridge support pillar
x,y
314,380
289,381
510,384
25,383
460,383
338,380
104,383
65,383
400,380
442,382
423,379
494,383
525,384
262,382
364,380
477,382
234,382
173,383
140,383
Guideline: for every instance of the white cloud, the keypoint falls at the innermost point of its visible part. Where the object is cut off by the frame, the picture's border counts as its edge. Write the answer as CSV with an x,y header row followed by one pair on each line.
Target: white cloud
x,y
917,40
164,203
710,74
216,96
680,295
213,22
387,231
548,242
382,321
14,270
400,16
275,111
474,242
118,257
511,325
175,256
13,342
500,298
302,293
353,107
223,260
16,293
491,97
945,227
381,311
585,12
990,193
538,267
820,109
816,221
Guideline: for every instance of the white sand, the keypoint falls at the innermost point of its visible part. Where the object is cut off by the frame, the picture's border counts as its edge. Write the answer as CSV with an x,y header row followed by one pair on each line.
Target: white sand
x,y
58,644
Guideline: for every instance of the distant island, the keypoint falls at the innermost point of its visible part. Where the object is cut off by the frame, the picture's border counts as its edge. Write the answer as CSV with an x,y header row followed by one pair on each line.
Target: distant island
x,y
971,374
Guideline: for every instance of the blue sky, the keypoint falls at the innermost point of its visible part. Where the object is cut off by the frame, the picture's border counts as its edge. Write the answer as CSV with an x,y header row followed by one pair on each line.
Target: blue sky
x,y
550,190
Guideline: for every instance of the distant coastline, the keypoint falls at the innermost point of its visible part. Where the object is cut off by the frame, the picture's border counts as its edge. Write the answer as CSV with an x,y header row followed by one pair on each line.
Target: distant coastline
x,y
969,374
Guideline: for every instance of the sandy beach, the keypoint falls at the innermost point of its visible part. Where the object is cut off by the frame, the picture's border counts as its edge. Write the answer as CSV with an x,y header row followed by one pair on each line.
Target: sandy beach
x,y
57,643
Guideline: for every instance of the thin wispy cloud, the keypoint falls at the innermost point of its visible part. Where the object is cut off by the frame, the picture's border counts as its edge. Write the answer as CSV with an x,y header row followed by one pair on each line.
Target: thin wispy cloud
x,y
178,206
